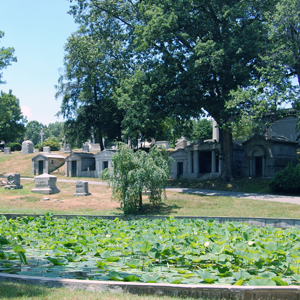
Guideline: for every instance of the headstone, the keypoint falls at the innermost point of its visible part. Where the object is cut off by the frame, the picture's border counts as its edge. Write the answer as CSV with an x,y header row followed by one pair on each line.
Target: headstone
x,y
46,149
13,181
82,188
27,147
85,148
181,144
45,184
7,150
67,148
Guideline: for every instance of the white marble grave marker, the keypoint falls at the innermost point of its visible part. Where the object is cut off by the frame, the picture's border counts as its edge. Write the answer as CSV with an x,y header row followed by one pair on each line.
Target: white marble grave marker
x,y
45,184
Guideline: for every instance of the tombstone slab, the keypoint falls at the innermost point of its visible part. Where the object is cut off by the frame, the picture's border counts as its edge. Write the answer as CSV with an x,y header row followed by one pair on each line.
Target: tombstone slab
x,y
27,147
45,184
67,148
7,150
13,182
85,148
46,149
82,188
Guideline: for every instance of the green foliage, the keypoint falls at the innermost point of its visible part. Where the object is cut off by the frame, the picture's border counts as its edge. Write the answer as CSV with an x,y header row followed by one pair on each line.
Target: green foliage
x,y
12,122
33,130
92,60
136,172
6,57
14,146
286,180
56,129
155,251
51,142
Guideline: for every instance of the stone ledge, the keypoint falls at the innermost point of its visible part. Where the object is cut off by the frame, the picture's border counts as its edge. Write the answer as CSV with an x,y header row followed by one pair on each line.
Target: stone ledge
x,y
216,292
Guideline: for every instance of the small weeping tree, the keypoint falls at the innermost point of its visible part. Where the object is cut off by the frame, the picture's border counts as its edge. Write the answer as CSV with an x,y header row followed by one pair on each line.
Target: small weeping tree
x,y
136,172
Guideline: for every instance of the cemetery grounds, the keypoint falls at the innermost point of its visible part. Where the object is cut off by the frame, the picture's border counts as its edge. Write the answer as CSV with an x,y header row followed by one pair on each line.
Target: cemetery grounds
x,y
100,203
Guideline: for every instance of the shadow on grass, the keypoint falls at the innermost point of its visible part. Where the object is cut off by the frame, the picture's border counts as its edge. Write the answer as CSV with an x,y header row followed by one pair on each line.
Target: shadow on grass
x,y
162,209
16,290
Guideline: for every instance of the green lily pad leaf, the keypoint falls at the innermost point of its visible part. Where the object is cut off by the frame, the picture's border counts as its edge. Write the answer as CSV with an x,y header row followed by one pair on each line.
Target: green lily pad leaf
x,y
101,264
279,281
113,275
55,261
112,259
174,280
151,278
241,274
268,275
131,278
260,281
146,247
239,282
133,263
296,277
207,276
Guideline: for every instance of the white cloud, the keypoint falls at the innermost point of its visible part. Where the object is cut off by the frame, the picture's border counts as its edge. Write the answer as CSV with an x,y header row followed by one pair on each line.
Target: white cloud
x,y
26,111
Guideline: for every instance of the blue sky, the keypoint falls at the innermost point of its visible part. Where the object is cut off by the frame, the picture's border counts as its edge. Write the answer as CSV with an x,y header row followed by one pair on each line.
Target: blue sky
x,y
38,30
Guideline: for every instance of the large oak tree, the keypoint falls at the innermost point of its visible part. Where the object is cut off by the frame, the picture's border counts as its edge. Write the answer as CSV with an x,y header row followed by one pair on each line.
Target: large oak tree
x,y
189,56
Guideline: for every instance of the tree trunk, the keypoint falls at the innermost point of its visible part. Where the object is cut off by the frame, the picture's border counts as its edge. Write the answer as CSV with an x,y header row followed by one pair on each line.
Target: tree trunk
x,y
100,136
140,201
227,147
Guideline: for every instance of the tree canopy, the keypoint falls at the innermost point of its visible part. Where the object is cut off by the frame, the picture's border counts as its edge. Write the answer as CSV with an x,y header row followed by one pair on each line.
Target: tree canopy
x,y
12,122
136,172
217,56
6,57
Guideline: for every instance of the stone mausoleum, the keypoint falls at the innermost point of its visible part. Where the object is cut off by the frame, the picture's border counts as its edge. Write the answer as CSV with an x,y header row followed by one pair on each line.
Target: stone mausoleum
x,y
80,164
264,156
46,162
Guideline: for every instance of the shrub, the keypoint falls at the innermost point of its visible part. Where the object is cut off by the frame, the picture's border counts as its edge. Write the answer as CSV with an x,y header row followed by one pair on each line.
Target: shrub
x,y
135,172
286,180
14,146
49,142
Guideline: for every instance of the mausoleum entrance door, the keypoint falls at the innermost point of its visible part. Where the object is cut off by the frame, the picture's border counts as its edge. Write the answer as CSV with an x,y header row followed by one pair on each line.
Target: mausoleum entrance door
x,y
41,167
258,166
179,169
74,168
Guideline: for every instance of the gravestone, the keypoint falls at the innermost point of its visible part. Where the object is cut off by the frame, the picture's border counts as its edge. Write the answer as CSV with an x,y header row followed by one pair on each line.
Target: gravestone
x,y
13,182
82,188
7,150
85,148
27,147
45,184
67,148
46,149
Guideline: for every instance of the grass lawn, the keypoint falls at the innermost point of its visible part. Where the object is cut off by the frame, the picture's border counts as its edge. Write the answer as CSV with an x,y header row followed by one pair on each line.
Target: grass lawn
x,y
31,292
100,203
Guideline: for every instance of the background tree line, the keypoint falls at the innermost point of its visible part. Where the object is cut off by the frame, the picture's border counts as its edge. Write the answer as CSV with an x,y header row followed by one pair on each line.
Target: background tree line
x,y
143,69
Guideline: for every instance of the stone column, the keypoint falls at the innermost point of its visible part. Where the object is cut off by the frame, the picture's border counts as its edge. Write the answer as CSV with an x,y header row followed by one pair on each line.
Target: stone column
x,y
213,162
196,163
251,167
263,166
190,162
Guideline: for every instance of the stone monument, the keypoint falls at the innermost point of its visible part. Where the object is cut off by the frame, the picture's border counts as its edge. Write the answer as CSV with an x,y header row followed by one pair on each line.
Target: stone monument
x,y
67,148
85,147
7,150
45,184
27,147
46,149
13,181
82,188
181,143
